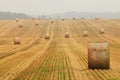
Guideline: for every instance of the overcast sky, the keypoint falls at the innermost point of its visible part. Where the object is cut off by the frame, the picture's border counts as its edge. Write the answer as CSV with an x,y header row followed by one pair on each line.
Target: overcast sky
x,y
35,7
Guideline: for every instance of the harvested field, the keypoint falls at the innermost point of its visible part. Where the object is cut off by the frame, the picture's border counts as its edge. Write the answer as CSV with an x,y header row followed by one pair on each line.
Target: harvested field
x,y
57,58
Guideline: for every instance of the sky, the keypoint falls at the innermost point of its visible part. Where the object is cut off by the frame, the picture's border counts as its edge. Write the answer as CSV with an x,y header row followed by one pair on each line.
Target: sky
x,y
36,7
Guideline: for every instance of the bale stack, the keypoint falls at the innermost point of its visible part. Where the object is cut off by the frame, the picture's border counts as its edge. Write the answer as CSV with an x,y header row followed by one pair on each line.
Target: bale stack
x,y
85,34
47,36
102,31
67,35
16,40
98,56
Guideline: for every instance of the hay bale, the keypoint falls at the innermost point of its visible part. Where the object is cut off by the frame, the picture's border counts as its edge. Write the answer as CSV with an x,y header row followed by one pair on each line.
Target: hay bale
x,y
82,18
17,40
52,22
47,36
102,31
21,25
67,35
97,18
98,56
85,34
33,18
36,23
63,19
73,18
17,20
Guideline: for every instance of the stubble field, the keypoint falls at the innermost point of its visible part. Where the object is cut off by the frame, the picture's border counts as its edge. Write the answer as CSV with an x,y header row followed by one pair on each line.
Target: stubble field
x,y
58,58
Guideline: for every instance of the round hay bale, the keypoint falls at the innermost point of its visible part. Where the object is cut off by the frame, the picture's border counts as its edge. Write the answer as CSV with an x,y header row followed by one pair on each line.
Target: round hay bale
x,y
98,56
36,23
67,35
17,40
63,19
102,31
21,25
47,36
52,22
82,18
33,18
85,34
96,18
17,20
73,18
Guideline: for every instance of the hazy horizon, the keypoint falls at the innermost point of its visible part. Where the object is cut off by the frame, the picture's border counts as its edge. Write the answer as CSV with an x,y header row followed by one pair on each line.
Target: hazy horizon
x,y
39,7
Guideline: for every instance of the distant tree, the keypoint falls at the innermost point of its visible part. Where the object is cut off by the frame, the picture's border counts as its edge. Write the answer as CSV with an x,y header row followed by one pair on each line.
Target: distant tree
x,y
10,15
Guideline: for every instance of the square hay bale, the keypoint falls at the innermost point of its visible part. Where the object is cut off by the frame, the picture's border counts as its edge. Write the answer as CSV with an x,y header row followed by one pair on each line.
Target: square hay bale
x,y
47,36
98,56
16,40
67,35
85,34
102,31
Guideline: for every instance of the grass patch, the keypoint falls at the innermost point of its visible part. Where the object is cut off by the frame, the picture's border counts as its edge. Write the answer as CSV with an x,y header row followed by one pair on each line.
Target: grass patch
x,y
62,75
45,69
